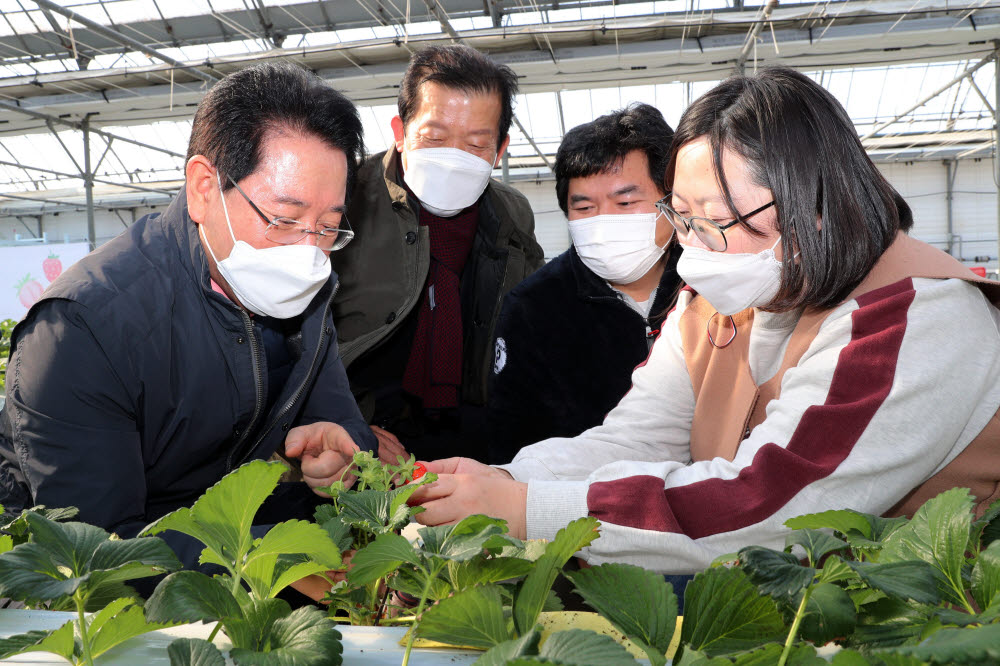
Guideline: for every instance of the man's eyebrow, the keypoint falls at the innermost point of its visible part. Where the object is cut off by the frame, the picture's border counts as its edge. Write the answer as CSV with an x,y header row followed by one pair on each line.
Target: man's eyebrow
x,y
433,124
289,200
628,189
576,198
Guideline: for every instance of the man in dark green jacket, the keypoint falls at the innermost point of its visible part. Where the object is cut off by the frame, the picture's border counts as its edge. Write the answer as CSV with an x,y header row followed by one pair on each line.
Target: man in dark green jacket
x,y
438,245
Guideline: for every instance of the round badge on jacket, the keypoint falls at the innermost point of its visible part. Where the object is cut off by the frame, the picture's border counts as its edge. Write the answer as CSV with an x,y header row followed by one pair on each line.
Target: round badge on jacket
x,y
499,356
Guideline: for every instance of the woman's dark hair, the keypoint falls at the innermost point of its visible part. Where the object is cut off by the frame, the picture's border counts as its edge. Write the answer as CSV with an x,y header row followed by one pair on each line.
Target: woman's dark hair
x,y
602,144
799,142
462,68
236,115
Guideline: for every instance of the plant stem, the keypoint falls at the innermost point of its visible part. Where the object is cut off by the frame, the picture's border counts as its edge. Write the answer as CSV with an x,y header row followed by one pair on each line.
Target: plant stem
x,y
84,637
237,579
420,609
793,632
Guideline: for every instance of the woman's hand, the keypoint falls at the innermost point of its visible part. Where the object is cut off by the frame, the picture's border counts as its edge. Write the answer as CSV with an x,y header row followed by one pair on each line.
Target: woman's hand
x,y
455,496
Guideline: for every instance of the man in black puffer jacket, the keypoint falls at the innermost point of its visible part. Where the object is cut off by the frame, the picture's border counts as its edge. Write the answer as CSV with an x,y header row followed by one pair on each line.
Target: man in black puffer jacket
x,y
201,338
570,335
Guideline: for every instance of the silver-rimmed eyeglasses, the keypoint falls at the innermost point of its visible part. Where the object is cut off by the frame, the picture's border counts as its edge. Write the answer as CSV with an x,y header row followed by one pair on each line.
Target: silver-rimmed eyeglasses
x,y
286,231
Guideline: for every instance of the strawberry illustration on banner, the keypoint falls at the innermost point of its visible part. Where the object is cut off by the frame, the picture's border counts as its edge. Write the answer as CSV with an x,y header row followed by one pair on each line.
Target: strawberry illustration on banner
x,y
28,291
52,267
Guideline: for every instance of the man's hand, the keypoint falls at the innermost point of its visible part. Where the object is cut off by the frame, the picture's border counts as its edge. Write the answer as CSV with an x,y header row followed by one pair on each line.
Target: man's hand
x,y
389,447
325,449
454,496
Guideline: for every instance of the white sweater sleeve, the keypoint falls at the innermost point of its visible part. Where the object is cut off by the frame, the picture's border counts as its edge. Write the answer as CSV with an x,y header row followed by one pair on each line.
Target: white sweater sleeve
x,y
894,386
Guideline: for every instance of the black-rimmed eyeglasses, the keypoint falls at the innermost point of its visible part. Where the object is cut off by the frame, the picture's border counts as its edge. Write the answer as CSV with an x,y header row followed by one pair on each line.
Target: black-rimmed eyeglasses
x,y
286,231
709,232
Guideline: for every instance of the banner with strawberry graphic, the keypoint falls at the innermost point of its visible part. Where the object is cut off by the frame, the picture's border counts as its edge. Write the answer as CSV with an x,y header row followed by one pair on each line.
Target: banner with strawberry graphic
x,y
28,270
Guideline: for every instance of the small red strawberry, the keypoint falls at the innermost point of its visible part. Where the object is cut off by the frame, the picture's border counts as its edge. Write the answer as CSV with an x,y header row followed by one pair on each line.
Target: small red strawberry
x,y
52,267
418,470
28,291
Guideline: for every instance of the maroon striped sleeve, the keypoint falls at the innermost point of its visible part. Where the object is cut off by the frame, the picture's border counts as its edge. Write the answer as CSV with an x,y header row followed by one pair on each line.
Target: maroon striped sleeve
x,y
824,437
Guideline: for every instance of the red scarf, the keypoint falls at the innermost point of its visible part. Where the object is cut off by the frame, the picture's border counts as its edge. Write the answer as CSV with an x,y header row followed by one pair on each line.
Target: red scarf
x,y
434,370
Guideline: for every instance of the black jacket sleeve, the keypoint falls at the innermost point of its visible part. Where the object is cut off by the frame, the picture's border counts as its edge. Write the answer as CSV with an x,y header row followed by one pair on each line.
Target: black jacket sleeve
x,y
517,414
70,413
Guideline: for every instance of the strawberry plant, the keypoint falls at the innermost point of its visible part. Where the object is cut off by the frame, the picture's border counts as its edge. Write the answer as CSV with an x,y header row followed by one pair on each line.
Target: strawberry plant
x,y
82,567
6,329
356,517
262,628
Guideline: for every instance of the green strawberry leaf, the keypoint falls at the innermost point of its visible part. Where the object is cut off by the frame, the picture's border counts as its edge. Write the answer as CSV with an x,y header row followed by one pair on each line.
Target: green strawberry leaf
x,y
776,573
579,647
639,603
194,652
59,641
724,612
376,511
221,518
815,543
829,614
533,591
303,638
472,617
462,541
986,528
479,571
800,655
986,576
380,558
938,534
65,557
506,652
281,543
958,646
190,596
914,580
118,628
252,631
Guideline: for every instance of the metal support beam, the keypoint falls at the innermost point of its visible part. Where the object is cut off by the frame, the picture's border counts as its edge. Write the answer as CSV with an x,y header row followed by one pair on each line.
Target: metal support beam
x,y
495,9
968,72
114,35
88,185
9,106
533,144
752,36
442,17
950,169
267,25
505,166
562,117
63,174
82,59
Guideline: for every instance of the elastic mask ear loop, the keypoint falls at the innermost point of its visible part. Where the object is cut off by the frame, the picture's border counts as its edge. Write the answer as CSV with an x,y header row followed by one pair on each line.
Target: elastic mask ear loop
x,y
225,209
708,329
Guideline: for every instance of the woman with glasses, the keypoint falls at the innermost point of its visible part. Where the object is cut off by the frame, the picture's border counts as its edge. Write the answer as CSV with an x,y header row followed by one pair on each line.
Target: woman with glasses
x,y
820,358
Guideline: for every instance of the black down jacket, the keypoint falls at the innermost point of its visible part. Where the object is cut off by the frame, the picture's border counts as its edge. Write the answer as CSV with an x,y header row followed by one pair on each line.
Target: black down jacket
x,y
132,386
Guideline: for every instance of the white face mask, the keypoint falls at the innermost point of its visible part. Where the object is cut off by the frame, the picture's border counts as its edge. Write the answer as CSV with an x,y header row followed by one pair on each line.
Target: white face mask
x,y
619,248
277,281
446,180
731,282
